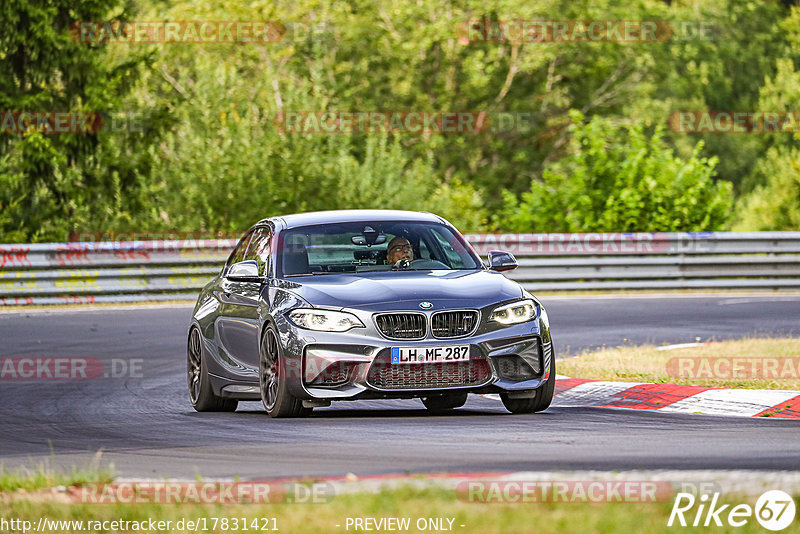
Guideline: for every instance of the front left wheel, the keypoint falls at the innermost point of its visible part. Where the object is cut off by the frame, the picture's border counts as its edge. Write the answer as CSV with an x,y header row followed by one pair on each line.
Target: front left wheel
x,y
540,401
272,379
201,394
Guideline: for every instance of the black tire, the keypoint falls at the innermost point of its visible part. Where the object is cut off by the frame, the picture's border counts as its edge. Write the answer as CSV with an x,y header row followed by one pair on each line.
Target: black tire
x,y
445,403
542,400
201,394
275,395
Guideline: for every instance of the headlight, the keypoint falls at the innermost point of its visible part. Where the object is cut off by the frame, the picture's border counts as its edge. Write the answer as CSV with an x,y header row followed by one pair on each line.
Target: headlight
x,y
516,312
325,320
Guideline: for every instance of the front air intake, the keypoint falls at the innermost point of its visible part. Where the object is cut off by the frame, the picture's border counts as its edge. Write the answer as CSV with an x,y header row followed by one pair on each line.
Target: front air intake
x,y
514,367
385,375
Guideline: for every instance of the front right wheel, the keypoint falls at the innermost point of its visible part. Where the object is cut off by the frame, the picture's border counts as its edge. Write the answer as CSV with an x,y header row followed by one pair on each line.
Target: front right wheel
x,y
272,379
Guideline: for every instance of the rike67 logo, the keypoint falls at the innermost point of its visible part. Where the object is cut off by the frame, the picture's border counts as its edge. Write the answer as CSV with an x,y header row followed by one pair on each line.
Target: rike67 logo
x,y
774,510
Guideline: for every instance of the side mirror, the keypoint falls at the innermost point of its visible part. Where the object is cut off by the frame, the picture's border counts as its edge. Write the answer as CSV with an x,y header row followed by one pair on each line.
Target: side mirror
x,y
502,261
244,271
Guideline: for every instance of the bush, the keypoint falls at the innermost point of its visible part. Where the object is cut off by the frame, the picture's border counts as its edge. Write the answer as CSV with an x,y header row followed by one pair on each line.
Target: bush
x,y
776,204
617,178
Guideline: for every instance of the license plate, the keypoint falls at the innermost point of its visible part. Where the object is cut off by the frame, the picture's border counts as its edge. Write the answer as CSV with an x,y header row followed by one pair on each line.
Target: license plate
x,y
406,355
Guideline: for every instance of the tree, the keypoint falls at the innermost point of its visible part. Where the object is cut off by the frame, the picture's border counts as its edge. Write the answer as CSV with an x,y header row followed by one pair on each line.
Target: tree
x,y
52,183
773,203
618,178
776,204
224,164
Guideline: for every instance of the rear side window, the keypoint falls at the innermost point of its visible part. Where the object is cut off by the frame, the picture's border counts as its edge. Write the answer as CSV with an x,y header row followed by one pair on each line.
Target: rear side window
x,y
258,249
238,253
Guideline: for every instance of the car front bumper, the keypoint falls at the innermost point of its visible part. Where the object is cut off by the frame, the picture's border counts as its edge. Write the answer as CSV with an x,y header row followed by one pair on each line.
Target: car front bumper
x,y
357,364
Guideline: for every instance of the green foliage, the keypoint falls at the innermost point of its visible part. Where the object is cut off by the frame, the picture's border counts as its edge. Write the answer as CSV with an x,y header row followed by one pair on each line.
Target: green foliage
x,y
51,184
773,198
618,178
723,70
206,155
226,165
776,204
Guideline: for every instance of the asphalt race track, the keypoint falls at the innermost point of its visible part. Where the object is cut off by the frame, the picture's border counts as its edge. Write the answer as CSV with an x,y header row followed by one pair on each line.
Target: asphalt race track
x,y
146,427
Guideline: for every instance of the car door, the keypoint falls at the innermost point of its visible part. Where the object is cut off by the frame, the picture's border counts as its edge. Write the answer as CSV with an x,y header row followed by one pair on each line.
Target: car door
x,y
238,320
249,296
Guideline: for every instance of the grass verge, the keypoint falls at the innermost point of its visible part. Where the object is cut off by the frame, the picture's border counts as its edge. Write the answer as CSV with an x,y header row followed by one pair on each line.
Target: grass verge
x,y
43,477
768,363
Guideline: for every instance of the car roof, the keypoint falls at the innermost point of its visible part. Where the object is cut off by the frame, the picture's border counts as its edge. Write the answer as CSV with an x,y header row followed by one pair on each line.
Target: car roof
x,y
339,216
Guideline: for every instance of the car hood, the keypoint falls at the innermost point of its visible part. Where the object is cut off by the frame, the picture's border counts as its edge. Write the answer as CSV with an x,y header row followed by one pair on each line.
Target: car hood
x,y
404,290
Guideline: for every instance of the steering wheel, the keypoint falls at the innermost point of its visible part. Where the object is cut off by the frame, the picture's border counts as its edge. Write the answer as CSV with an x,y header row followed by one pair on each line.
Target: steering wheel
x,y
422,263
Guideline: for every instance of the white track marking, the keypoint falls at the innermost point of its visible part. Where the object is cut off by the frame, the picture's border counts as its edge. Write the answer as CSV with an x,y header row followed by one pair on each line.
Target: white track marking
x,y
740,402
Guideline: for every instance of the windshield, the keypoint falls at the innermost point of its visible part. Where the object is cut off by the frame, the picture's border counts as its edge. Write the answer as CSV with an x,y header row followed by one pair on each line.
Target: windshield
x,y
372,246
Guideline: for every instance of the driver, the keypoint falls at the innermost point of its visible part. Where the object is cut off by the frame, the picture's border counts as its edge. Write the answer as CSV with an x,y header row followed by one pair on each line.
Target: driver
x,y
399,249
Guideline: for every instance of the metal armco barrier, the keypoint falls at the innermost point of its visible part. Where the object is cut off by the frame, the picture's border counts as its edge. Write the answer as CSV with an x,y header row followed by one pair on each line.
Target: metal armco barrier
x,y
58,273
109,271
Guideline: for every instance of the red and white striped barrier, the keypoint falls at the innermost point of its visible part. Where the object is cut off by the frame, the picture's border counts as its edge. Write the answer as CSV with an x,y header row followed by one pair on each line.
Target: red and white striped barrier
x,y
672,398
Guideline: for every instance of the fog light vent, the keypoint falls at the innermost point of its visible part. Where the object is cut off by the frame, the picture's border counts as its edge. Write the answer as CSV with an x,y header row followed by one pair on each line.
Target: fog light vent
x,y
334,375
514,368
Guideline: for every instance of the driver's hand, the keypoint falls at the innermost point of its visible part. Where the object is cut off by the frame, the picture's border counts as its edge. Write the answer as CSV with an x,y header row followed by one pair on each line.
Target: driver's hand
x,y
402,264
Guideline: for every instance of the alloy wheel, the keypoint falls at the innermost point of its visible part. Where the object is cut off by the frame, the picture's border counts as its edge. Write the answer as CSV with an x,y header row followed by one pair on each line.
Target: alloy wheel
x,y
194,364
269,366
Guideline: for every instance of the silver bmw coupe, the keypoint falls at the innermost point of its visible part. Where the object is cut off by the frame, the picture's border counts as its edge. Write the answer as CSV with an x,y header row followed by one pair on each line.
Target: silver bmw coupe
x,y
365,304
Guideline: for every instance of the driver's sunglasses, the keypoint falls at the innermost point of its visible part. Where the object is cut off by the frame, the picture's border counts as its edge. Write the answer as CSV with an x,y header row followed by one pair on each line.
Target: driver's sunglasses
x,y
401,248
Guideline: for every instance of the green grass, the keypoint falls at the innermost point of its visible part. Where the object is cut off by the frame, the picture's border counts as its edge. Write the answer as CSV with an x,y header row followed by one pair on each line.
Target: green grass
x,y
43,476
647,364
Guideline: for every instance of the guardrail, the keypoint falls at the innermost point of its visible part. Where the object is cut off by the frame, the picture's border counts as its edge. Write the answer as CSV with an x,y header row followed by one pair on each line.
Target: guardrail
x,y
93,272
